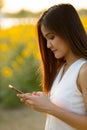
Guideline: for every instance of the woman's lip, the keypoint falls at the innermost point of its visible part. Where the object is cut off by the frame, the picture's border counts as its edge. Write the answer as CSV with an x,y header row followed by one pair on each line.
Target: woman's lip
x,y
54,51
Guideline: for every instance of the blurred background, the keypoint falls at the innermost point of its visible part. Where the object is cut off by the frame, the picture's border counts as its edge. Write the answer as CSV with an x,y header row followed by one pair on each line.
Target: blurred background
x,y
20,58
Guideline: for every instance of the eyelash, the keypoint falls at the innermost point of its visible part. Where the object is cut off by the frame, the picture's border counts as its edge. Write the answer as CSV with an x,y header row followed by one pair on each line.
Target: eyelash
x,y
51,38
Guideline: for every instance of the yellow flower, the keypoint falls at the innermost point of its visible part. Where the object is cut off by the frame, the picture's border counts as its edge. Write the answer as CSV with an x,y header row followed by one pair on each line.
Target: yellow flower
x,y
25,53
15,65
4,47
84,22
7,72
37,54
19,59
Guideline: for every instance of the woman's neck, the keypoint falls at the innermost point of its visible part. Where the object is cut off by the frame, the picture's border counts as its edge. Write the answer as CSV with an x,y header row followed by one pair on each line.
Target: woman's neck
x,y
71,58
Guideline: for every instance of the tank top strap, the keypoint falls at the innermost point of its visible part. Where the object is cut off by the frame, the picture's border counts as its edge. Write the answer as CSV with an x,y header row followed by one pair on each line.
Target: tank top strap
x,y
77,67
73,69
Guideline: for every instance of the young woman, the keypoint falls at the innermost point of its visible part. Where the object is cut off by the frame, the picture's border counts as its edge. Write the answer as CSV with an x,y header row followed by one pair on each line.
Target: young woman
x,y
63,47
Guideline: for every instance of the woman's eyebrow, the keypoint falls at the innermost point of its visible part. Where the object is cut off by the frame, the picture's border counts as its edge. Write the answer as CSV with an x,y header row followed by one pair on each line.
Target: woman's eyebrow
x,y
48,34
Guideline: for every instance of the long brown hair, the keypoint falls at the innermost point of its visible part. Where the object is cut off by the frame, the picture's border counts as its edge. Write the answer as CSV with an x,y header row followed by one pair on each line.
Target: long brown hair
x,y
63,19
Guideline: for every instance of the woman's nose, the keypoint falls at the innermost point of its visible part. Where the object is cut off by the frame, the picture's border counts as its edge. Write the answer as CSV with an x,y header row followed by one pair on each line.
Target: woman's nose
x,y
49,44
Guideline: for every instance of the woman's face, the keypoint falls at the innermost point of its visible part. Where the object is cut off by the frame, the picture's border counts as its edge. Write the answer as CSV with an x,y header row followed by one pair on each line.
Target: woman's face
x,y
56,44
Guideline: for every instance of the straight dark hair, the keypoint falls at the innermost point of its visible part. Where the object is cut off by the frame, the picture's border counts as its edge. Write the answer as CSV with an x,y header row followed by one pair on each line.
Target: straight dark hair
x,y
62,19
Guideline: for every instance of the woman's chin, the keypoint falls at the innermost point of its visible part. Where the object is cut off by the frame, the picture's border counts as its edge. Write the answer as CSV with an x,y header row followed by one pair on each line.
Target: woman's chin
x,y
58,57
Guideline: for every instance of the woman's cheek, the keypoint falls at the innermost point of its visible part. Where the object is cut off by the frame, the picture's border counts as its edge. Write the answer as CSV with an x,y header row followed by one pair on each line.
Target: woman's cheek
x,y
59,54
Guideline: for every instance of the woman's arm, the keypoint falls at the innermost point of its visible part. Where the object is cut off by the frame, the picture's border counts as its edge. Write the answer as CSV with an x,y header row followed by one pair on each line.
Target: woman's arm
x,y
42,103
75,120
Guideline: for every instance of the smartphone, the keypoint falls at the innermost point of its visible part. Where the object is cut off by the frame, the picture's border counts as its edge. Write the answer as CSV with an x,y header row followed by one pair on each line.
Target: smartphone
x,y
15,89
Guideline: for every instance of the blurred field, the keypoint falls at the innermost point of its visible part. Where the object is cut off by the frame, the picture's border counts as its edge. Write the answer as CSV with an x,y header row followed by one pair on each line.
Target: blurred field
x,y
84,22
19,62
21,119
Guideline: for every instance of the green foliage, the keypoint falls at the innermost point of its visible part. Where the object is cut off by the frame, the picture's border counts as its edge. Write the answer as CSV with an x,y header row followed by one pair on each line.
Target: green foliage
x,y
24,13
19,64
26,78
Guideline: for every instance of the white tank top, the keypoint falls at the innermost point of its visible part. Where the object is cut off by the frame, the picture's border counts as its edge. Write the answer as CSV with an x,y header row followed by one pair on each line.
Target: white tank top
x,y
65,94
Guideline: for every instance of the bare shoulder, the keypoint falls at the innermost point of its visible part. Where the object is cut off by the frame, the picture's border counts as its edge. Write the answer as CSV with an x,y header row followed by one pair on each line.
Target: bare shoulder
x,y
82,79
84,68
83,73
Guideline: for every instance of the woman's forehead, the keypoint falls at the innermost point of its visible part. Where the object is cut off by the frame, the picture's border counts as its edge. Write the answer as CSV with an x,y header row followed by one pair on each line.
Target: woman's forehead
x,y
45,31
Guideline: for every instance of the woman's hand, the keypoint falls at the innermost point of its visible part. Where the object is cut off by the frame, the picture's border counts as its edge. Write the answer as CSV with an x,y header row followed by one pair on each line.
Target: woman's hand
x,y
37,101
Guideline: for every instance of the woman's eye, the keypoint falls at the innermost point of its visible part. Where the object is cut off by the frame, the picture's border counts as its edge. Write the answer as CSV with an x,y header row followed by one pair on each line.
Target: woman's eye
x,y
52,37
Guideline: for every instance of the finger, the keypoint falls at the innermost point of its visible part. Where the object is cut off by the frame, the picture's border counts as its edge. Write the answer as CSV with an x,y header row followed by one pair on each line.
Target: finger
x,y
21,100
19,95
29,102
29,105
28,94
37,93
34,93
24,96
